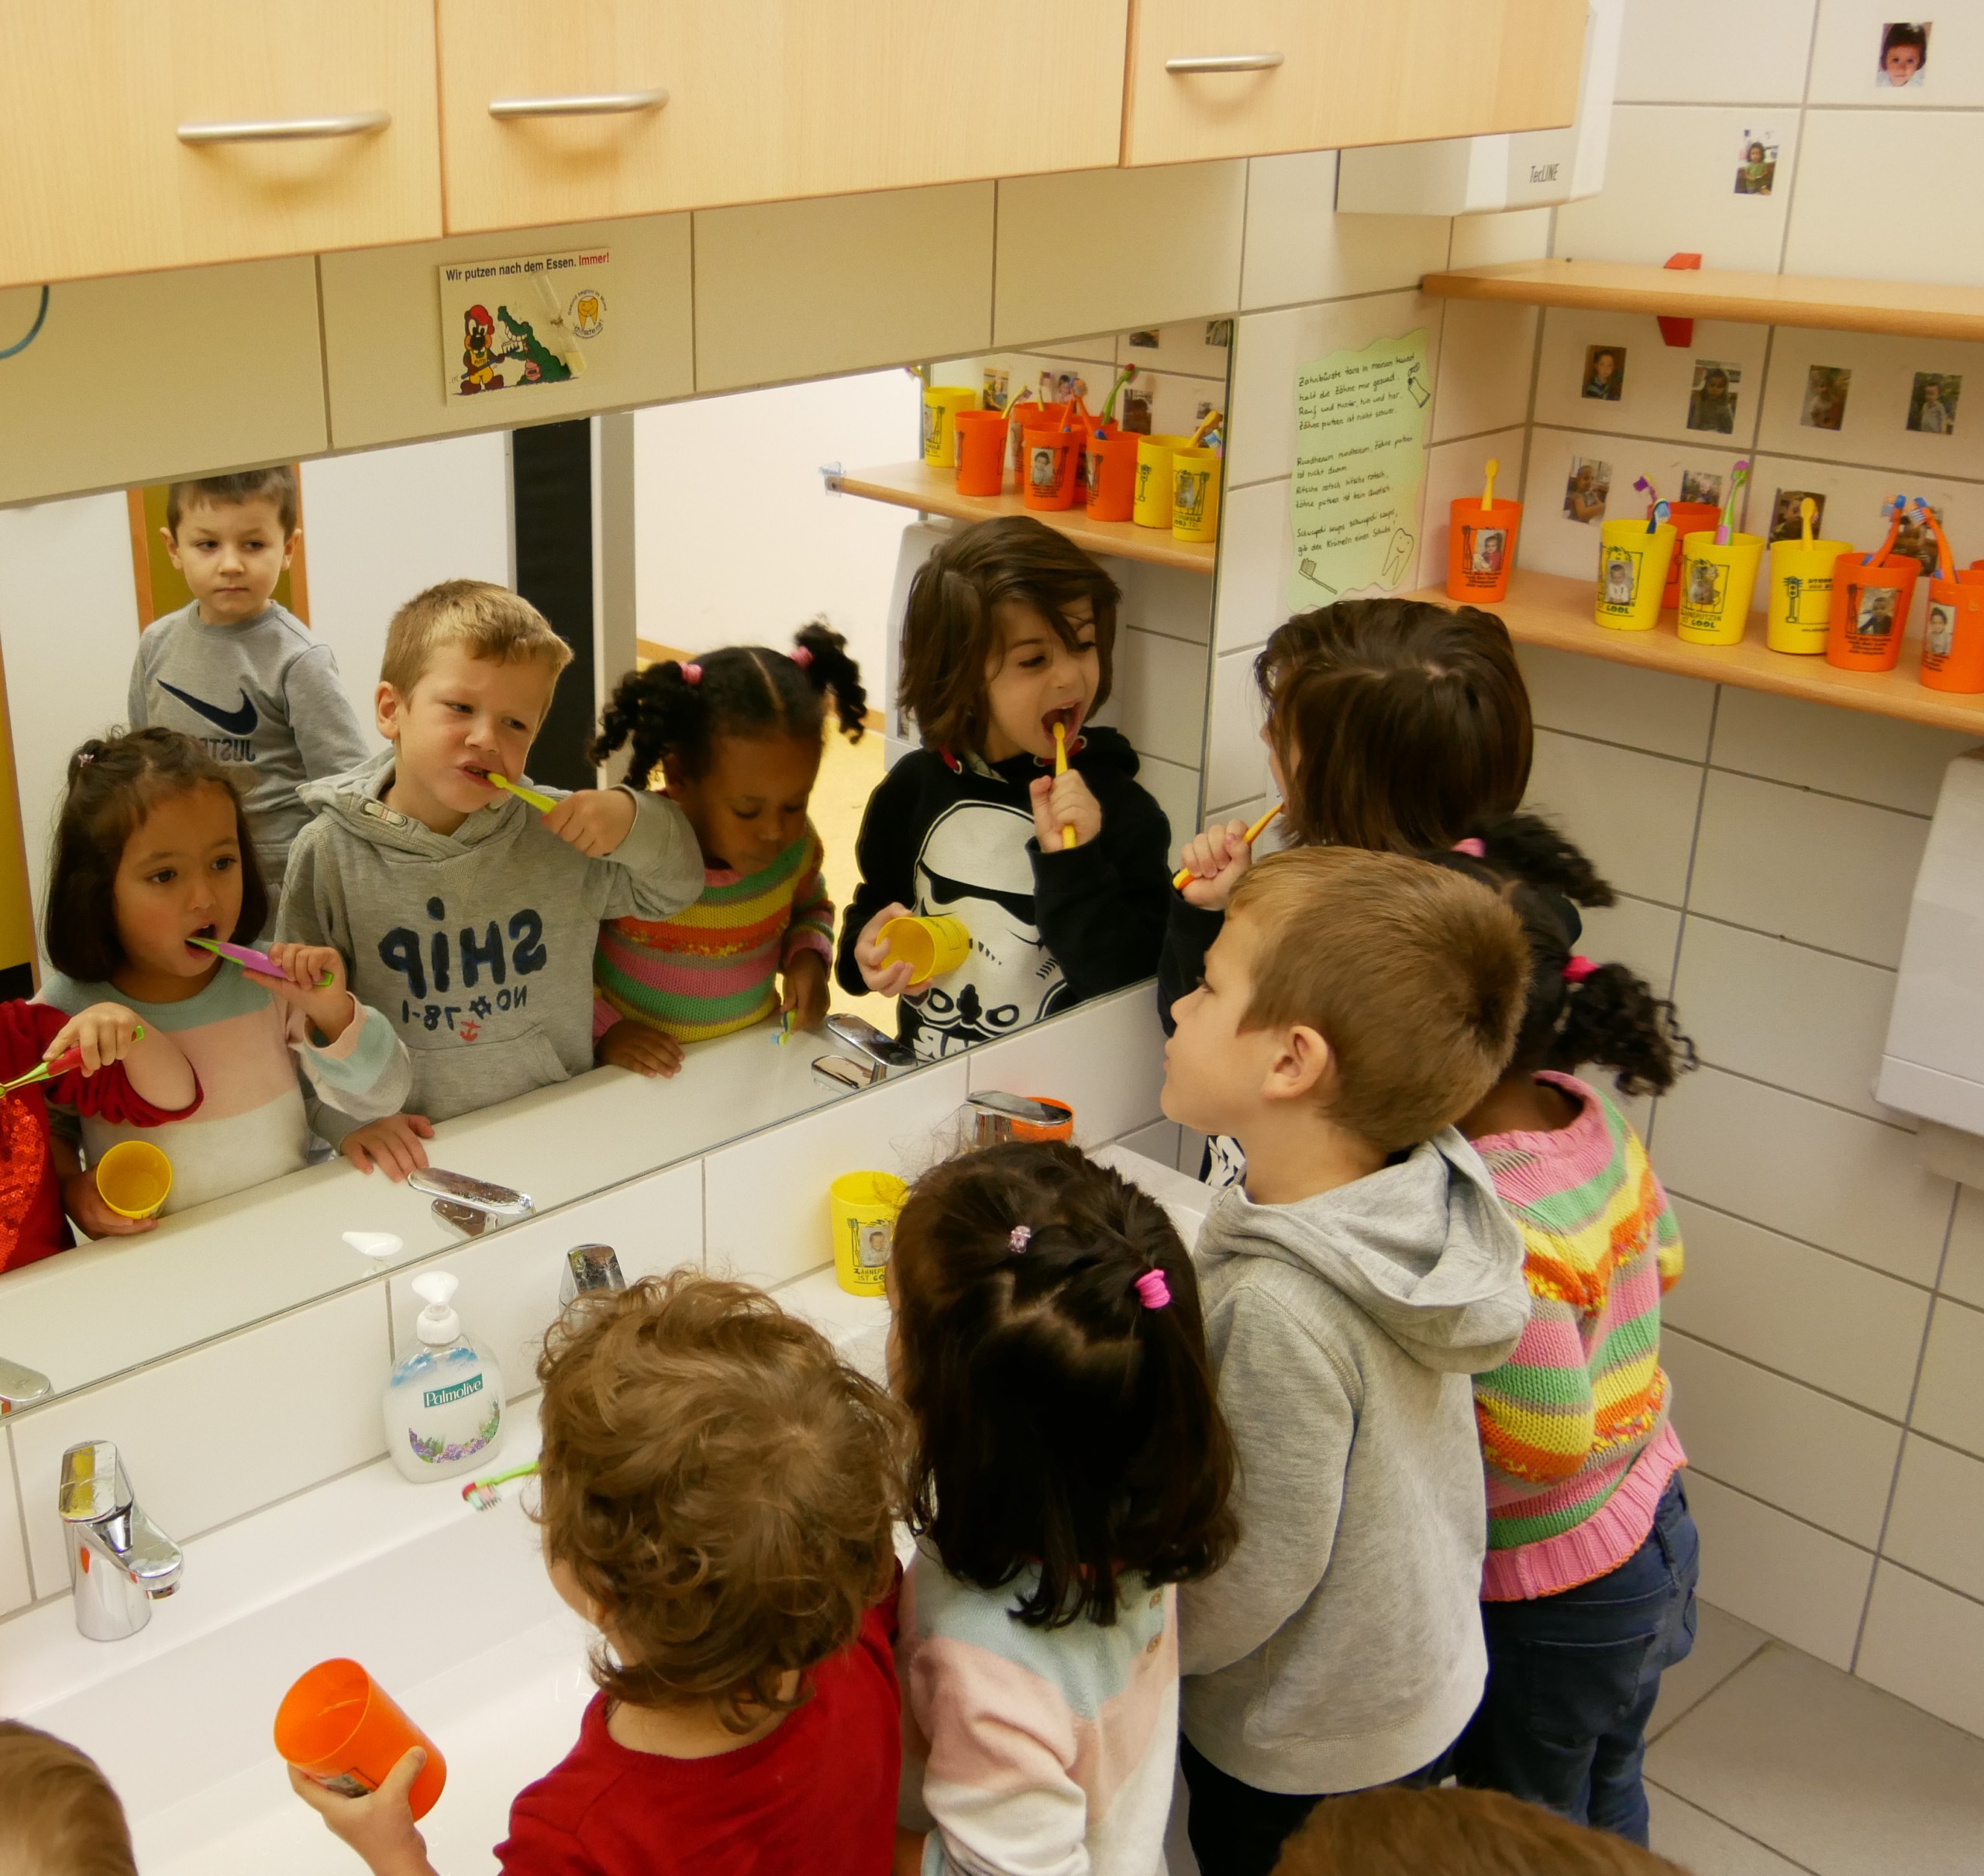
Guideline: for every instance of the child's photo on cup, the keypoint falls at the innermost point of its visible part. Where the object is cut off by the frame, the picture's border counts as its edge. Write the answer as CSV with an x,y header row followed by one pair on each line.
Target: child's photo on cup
x,y
1486,546
1825,387
1904,52
1942,629
1604,372
1698,485
1932,403
1785,523
1619,577
1705,579
1756,164
1585,489
1712,396
1043,463
1874,617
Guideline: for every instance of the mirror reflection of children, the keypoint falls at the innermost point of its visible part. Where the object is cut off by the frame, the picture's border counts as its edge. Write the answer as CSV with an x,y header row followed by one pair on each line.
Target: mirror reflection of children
x,y
1942,628
1618,579
1758,170
1585,489
736,736
1932,403
1604,372
1876,619
1904,52
1010,630
1712,404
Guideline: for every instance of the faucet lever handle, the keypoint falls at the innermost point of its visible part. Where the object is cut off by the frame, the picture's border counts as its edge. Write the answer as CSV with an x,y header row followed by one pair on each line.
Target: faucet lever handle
x,y
21,1386
93,1485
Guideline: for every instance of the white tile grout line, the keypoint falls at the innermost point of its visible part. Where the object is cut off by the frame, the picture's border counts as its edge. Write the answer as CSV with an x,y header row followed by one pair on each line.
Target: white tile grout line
x,y
1806,1243
1687,883
1764,1640
1901,1452
1734,1829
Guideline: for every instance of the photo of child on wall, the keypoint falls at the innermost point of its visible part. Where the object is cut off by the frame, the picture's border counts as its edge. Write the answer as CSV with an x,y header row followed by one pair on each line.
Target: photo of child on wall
x,y
1136,408
1904,52
1932,403
1785,525
1915,540
1699,485
996,381
1585,489
1825,387
1604,372
1712,398
1756,166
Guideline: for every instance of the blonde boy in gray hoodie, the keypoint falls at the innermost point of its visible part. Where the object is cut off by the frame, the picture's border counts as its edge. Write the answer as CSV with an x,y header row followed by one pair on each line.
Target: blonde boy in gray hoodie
x,y
467,916
1353,1006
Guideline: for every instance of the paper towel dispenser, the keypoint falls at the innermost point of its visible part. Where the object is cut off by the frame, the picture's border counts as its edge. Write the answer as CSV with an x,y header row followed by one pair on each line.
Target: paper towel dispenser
x,y
1934,1064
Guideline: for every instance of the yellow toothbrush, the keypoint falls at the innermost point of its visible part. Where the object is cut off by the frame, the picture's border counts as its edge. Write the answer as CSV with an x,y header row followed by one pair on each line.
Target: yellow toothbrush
x,y
1488,487
543,803
1182,877
1061,768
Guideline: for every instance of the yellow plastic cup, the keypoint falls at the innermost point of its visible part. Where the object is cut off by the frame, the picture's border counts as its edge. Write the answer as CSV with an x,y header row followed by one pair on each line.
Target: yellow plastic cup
x,y
1717,583
1632,573
1801,600
134,1178
863,1206
1194,494
929,946
1151,506
940,405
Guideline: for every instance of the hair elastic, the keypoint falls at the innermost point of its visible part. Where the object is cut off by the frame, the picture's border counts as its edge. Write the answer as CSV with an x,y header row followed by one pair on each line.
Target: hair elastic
x,y
1577,969
692,674
1152,1290
801,656
1021,1236
1474,849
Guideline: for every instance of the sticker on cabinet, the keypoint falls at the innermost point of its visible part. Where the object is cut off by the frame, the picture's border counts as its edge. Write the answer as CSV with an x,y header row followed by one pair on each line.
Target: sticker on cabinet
x,y
536,319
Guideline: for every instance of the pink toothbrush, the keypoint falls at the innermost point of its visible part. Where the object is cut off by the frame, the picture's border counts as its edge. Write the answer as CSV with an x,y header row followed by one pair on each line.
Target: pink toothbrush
x,y
257,961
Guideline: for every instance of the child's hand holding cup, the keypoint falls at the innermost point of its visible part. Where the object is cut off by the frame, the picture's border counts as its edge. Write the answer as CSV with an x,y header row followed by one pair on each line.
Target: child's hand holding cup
x,y
881,970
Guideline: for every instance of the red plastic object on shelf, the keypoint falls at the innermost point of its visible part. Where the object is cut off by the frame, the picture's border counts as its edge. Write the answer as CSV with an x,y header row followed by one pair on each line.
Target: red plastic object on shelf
x,y
1679,331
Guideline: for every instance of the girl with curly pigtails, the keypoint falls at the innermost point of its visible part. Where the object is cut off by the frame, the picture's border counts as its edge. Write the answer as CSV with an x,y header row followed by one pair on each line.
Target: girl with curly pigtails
x,y
735,738
1588,1590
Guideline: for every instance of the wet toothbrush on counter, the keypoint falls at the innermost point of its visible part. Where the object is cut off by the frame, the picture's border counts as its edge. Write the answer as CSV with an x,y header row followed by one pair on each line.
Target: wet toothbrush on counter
x,y
70,1060
482,1493
1061,768
1725,529
1182,877
251,960
543,803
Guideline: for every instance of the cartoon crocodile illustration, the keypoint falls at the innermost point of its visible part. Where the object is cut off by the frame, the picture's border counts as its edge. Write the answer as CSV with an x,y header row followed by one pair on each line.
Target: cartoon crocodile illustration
x,y
540,365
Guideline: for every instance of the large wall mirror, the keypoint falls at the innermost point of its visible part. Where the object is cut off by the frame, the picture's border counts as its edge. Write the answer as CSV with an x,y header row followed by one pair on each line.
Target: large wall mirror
x,y
662,533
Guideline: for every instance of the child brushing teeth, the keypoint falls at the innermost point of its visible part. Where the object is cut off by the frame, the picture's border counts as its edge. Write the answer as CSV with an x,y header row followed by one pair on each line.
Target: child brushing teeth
x,y
1009,636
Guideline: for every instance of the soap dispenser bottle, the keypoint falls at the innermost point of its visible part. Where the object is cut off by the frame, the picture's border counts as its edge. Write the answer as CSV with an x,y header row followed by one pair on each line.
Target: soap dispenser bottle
x,y
444,1403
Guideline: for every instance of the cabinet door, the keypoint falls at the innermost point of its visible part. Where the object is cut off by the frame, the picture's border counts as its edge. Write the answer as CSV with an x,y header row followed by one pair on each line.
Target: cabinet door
x,y
1249,78
630,107
175,132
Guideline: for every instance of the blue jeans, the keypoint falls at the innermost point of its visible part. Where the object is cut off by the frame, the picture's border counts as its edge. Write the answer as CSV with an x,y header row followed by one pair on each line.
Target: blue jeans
x,y
1572,1678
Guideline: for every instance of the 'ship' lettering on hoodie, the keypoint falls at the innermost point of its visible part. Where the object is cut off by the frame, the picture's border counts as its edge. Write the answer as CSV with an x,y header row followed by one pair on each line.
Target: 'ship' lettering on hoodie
x,y
464,963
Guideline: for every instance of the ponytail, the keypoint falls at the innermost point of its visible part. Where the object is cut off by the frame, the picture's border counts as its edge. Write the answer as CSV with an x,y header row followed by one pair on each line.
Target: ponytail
x,y
673,713
1611,1017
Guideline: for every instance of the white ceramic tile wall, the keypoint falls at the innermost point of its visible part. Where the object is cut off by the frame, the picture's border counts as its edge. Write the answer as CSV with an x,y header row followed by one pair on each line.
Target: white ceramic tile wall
x,y
16,1587
1300,249
1948,1403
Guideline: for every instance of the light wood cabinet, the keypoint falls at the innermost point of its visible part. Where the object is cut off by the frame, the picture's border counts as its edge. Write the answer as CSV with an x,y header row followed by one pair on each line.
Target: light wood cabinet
x,y
98,97
1251,78
764,100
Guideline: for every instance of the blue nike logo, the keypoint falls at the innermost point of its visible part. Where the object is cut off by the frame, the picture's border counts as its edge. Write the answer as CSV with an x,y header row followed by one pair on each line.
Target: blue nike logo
x,y
240,722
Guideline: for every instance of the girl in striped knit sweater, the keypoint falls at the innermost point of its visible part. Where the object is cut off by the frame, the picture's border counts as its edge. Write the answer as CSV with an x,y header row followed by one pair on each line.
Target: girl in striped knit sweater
x,y
737,735
1588,1590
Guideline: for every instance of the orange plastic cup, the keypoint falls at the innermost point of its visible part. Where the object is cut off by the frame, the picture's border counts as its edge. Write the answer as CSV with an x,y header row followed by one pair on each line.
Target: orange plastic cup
x,y
339,1725
1870,610
1481,549
1057,1130
1021,415
1109,465
1050,467
981,444
1953,640
1688,518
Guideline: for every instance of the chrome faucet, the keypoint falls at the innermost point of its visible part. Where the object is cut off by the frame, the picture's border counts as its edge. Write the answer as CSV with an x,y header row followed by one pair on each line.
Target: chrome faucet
x,y
120,1562
21,1387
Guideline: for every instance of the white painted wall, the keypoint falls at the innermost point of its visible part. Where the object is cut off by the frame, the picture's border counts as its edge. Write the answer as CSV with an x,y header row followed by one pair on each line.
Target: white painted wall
x,y
737,541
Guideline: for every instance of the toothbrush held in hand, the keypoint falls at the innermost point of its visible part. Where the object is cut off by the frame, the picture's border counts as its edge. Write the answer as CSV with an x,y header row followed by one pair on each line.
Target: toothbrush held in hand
x,y
257,961
66,1063
482,1493
543,803
1182,877
1061,768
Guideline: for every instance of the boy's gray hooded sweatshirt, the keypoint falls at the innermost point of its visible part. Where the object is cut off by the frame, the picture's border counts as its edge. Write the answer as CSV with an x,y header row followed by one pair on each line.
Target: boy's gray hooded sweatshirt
x,y
477,944
1342,1647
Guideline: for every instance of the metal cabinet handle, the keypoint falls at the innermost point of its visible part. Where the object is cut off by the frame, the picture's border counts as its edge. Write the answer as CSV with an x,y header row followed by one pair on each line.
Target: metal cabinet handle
x,y
286,130
580,104
1226,61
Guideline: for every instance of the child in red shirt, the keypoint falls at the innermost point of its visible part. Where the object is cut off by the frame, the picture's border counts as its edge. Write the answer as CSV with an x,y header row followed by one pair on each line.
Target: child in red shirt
x,y
718,1494
126,1075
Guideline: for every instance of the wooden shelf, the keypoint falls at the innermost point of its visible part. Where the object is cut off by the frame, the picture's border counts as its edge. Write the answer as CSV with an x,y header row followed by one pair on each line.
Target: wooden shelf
x,y
1905,306
916,485
1547,609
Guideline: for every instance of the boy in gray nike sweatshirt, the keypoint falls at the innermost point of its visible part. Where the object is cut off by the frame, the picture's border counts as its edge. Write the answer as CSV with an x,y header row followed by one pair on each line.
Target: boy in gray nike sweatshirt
x,y
239,673
467,916
1353,1006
